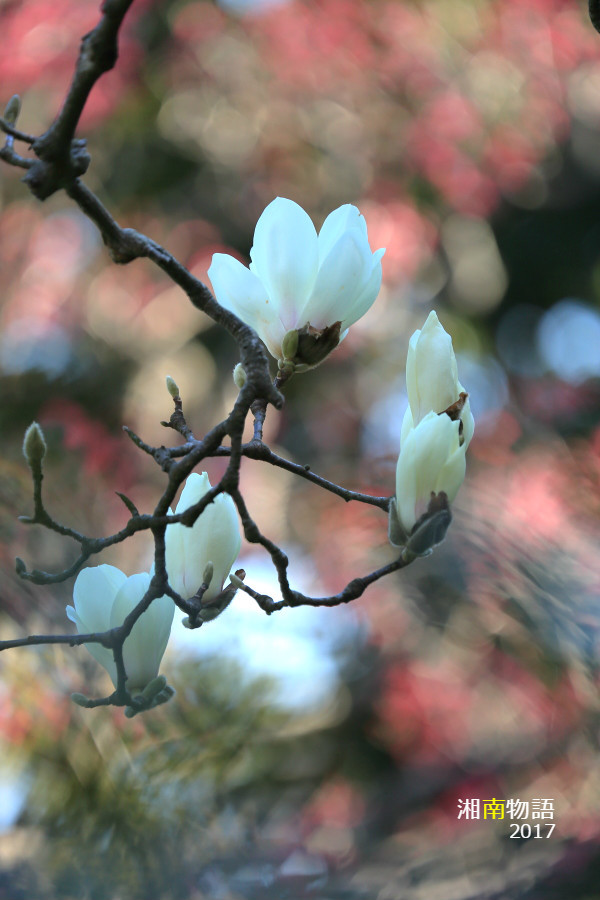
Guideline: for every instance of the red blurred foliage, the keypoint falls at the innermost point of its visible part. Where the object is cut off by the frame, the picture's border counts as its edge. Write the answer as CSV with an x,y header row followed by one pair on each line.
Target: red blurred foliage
x,y
319,45
32,715
103,454
423,711
338,803
43,38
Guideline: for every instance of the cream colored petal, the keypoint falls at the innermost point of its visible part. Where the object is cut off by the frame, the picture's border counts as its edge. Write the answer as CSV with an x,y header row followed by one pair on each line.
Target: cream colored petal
x,y
214,537
144,647
343,219
367,294
94,593
241,292
336,286
285,257
431,374
430,459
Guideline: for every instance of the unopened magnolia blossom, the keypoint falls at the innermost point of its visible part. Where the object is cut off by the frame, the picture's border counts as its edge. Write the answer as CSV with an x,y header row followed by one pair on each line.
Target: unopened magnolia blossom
x,y
431,460
213,538
315,286
103,597
432,379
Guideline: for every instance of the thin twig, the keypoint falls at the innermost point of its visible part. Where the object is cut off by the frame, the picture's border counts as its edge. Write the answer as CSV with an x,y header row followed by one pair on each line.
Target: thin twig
x,y
61,159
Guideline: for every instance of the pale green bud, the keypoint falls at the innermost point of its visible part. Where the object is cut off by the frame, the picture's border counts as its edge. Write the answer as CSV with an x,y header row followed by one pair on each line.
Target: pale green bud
x,y
208,573
80,700
289,345
34,446
13,108
172,387
153,688
235,580
239,376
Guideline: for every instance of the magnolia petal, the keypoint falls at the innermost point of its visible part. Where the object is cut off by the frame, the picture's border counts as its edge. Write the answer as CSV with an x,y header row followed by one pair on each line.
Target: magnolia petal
x,y
407,425
272,334
285,257
179,554
406,483
467,419
337,222
144,647
101,654
431,374
336,284
431,459
452,474
240,291
196,486
215,537
436,440
93,595
367,294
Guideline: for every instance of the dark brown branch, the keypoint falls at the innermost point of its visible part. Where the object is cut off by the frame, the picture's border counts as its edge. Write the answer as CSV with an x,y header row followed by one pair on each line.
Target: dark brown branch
x,y
13,159
13,132
291,598
594,11
73,640
61,159
260,451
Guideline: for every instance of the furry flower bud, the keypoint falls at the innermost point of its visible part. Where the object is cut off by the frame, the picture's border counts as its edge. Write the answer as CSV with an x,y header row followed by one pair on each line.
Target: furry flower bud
x,y
239,376
172,387
34,446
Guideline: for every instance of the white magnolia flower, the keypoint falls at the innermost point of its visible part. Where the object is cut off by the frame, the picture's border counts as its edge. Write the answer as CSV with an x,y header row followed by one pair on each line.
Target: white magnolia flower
x,y
432,378
318,285
104,596
431,460
214,537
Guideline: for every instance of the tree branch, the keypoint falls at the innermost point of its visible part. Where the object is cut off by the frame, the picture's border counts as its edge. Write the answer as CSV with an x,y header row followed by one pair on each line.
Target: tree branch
x,y
60,159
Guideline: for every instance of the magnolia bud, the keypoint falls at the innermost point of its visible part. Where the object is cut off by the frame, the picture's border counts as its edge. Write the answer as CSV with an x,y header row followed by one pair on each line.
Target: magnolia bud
x,y
80,700
289,344
12,110
208,573
172,387
34,446
153,688
432,380
239,376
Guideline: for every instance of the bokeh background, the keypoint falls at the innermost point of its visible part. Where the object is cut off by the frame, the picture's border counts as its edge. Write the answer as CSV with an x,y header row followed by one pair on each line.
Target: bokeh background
x,y
315,753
